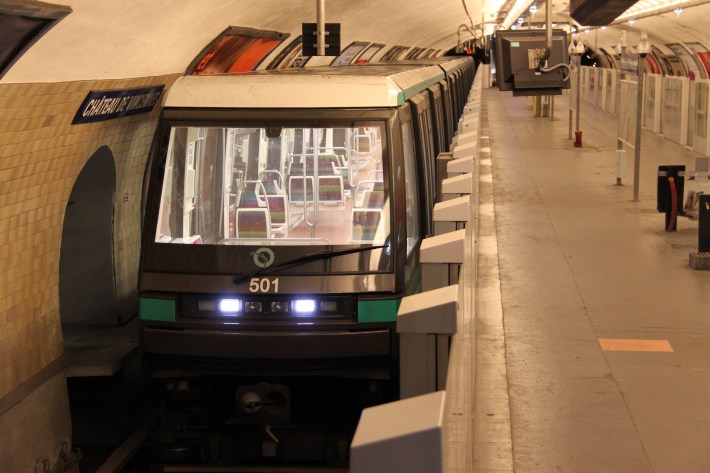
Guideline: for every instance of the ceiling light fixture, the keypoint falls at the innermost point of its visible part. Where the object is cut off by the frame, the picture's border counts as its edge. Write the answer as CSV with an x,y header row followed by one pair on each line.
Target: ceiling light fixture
x,y
519,7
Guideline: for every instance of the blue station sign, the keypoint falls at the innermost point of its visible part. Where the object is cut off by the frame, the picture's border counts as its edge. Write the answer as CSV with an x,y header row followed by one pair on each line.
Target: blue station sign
x,y
109,104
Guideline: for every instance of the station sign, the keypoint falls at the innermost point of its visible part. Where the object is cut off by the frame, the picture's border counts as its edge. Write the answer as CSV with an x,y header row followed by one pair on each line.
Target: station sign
x,y
109,104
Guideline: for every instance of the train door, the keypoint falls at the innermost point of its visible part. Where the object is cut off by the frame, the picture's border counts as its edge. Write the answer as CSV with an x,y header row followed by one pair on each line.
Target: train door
x,y
456,88
423,141
454,102
413,192
448,114
438,116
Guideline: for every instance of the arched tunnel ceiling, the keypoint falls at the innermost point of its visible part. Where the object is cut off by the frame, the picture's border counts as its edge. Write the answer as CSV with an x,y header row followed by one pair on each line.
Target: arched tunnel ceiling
x,y
134,38
692,25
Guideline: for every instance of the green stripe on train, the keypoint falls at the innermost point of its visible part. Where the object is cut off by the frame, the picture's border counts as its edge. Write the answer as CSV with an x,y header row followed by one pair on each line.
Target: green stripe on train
x,y
378,311
156,309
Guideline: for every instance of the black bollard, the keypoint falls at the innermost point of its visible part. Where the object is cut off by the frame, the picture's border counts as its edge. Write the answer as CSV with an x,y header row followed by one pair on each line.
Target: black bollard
x,y
703,223
670,193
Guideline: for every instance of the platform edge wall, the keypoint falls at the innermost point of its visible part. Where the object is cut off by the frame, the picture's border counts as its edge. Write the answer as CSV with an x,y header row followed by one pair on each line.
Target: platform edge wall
x,y
41,156
37,428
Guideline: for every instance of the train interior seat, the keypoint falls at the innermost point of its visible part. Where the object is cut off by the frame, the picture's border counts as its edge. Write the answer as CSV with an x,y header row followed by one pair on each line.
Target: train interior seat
x,y
367,210
278,211
253,223
253,212
331,188
296,193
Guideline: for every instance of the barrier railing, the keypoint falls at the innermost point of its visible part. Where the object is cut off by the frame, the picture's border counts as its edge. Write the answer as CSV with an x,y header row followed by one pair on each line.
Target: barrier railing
x,y
675,107
430,430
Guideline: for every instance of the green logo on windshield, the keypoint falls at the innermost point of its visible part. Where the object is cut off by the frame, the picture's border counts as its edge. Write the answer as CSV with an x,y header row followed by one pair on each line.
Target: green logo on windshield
x,y
263,257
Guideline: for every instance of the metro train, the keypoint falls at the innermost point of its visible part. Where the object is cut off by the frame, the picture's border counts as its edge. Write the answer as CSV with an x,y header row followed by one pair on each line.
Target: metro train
x,y
283,213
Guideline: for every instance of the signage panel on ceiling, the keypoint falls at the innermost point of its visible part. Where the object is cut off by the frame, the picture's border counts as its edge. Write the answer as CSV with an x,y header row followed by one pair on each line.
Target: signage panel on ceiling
x,y
109,104
310,40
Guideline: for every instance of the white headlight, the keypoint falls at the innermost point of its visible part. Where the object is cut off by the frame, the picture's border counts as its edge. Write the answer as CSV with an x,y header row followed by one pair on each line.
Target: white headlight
x,y
230,306
304,306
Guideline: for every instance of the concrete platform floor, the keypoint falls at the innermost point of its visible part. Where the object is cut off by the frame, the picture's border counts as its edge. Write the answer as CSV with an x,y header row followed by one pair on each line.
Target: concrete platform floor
x,y
580,262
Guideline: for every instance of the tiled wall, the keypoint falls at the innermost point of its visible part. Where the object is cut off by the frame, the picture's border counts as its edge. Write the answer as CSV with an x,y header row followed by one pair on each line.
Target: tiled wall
x,y
41,155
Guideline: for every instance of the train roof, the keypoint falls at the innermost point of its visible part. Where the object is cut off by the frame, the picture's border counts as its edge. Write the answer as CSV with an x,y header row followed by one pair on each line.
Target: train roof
x,y
361,86
448,64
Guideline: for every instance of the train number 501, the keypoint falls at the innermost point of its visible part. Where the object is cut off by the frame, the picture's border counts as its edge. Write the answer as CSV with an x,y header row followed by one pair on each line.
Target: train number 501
x,y
264,285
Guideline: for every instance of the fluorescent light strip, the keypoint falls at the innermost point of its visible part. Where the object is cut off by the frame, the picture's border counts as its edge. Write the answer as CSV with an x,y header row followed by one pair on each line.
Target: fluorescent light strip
x,y
520,7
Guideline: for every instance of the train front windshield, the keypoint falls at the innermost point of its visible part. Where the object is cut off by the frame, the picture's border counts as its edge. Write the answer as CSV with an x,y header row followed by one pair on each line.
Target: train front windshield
x,y
275,186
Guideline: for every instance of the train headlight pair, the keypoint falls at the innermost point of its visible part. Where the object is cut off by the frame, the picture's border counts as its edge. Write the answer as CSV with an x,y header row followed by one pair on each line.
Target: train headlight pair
x,y
300,307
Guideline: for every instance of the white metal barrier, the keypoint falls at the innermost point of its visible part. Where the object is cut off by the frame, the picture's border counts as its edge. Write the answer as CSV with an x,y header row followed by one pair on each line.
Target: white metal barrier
x,y
627,112
433,432
691,115
596,85
608,94
573,89
701,121
674,124
652,88
676,107
588,84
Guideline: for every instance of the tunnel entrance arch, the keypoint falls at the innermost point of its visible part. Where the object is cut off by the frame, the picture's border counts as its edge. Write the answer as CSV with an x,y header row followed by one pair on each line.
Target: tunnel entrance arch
x,y
87,288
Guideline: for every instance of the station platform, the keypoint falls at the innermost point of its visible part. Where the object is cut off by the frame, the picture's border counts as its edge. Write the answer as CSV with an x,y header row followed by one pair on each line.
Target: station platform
x,y
606,333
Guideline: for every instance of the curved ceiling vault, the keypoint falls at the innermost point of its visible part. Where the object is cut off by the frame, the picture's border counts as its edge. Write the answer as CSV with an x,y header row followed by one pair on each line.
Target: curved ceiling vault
x,y
135,38
691,25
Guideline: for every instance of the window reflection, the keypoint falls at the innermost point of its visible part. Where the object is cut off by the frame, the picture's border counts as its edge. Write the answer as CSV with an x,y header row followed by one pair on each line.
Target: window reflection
x,y
277,186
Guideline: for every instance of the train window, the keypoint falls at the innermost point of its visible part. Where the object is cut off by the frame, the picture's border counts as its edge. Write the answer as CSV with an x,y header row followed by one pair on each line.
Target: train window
x,y
286,184
411,188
